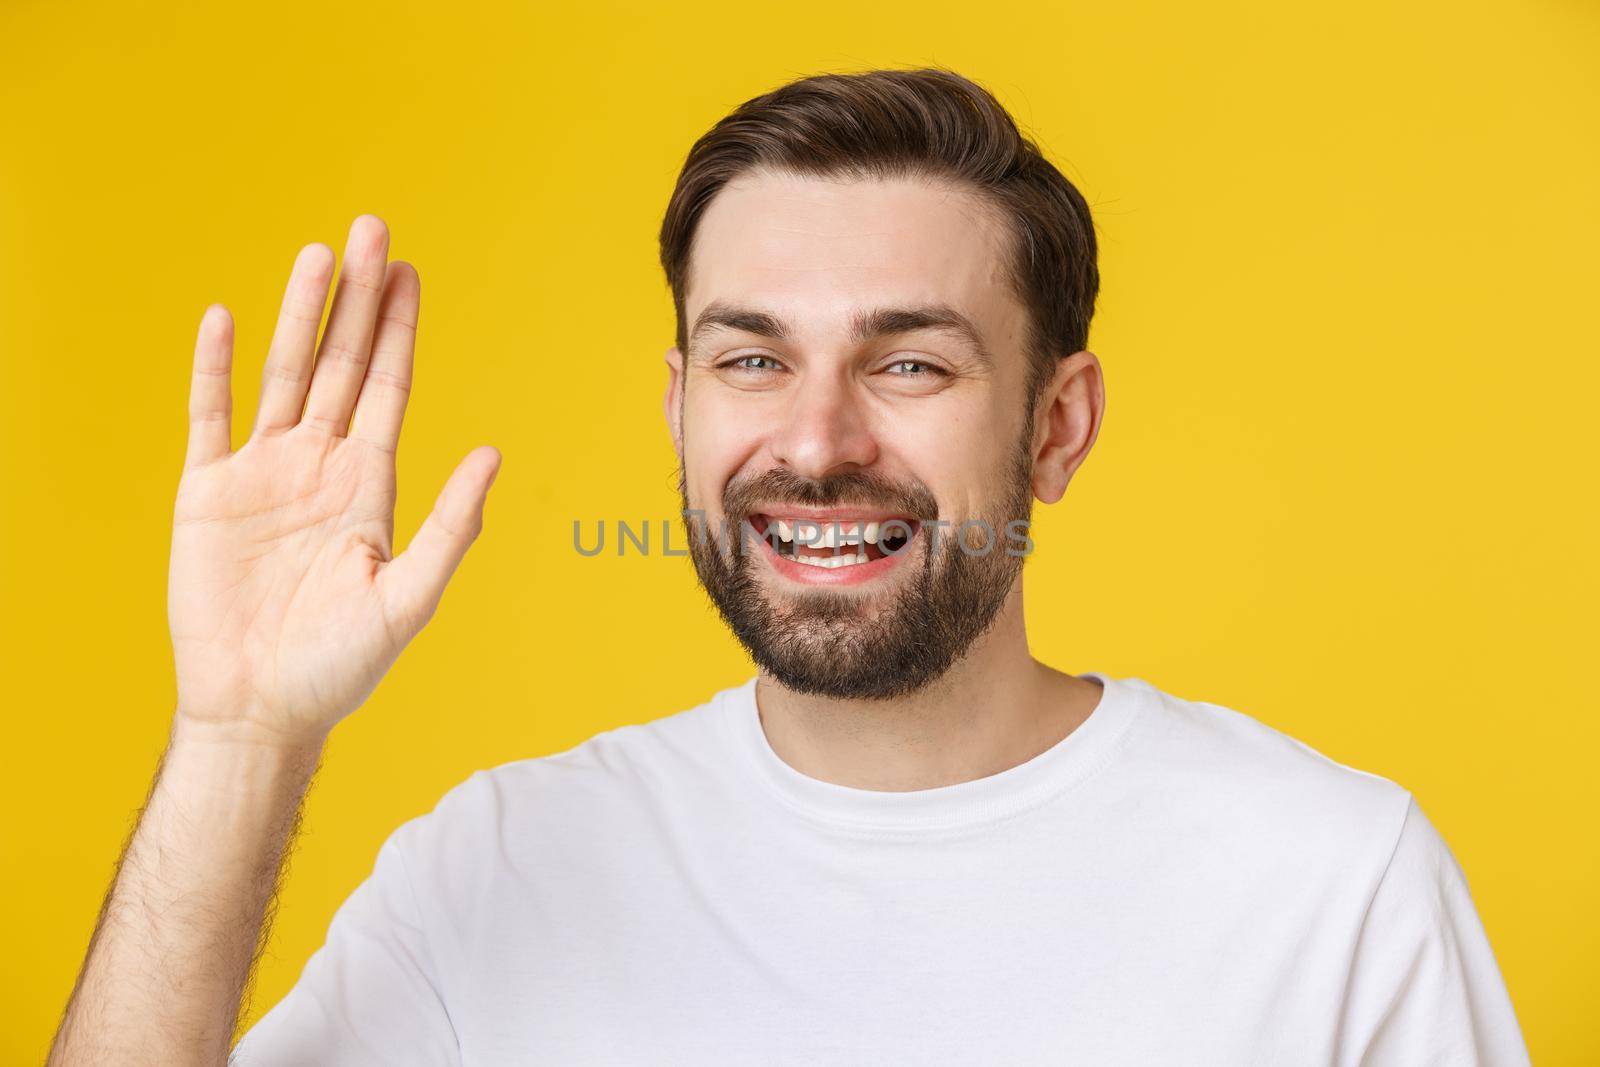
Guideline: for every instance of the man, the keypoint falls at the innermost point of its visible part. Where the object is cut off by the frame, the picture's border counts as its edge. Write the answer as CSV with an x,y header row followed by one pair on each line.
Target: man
x,y
905,840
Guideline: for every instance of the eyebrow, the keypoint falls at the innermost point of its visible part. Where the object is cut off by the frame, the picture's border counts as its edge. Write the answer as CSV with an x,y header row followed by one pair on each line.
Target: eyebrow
x,y
865,325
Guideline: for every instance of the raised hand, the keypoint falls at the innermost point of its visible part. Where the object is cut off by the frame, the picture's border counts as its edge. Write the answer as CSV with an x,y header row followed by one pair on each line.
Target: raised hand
x,y
286,601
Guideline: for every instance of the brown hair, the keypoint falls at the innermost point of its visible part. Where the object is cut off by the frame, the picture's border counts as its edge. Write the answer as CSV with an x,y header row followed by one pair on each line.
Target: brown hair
x,y
927,122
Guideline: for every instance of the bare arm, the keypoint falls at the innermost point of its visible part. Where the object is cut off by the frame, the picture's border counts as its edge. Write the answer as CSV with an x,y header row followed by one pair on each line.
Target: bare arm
x,y
287,606
178,932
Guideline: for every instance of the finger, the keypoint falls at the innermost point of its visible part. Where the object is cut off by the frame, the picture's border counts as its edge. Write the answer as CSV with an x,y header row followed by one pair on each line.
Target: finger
x,y
210,395
414,582
347,342
382,404
288,368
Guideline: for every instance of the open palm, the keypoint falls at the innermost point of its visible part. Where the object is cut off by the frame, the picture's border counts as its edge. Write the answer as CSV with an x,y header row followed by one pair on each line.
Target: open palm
x,y
286,601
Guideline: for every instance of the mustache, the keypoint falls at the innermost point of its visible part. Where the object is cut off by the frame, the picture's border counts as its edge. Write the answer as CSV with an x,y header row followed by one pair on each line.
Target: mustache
x,y
861,488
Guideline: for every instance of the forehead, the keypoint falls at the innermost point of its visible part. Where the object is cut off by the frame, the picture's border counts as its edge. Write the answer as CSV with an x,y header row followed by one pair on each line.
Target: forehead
x,y
815,249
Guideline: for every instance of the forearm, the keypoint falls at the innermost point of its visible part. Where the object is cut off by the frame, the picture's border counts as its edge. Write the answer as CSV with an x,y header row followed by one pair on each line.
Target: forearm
x,y
179,932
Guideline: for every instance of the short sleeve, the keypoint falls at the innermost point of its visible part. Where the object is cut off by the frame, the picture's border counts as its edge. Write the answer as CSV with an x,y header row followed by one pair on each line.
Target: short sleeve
x,y
369,995
1425,988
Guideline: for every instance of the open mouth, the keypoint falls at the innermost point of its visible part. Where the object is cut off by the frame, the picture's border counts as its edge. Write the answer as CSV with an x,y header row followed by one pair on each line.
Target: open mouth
x,y
834,542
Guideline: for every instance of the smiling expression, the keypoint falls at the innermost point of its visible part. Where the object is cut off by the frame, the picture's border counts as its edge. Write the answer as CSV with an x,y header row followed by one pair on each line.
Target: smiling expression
x,y
854,384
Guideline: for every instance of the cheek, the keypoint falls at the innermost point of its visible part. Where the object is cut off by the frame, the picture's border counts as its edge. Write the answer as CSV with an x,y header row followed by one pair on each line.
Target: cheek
x,y
954,459
717,445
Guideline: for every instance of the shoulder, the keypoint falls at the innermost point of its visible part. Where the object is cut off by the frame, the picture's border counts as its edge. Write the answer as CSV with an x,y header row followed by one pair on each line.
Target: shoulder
x,y
1198,744
1233,775
1349,852
614,775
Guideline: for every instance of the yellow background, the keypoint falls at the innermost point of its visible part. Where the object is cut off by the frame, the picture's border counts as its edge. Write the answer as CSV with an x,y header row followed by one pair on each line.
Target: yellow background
x,y
1345,482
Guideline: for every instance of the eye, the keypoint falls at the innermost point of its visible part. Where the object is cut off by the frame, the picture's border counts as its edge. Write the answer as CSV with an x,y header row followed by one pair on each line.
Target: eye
x,y
751,363
914,368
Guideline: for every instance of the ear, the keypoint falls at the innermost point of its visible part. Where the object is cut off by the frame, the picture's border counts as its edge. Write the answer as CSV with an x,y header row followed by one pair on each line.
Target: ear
x,y
1066,423
672,402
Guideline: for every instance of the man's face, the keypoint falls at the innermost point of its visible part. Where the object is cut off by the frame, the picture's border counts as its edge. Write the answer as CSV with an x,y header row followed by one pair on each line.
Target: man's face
x,y
855,366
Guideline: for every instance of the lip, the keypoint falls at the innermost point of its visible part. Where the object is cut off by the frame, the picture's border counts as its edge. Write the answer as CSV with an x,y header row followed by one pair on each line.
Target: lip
x,y
834,577
855,574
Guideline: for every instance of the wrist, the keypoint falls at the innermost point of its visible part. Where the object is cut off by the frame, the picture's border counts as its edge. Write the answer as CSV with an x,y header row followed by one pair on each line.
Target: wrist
x,y
239,757
244,733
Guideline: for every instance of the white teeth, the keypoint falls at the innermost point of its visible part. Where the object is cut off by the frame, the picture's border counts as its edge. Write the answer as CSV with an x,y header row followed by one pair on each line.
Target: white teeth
x,y
826,533
829,561
833,534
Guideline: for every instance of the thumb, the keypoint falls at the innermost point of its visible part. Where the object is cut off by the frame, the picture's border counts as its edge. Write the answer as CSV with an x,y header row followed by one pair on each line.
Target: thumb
x,y
414,581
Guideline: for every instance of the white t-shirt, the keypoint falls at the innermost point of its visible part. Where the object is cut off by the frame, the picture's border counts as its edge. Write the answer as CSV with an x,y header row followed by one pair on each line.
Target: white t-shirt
x,y
1172,883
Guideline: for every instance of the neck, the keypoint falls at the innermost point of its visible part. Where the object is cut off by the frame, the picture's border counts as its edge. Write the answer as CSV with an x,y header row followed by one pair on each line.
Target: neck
x,y
994,709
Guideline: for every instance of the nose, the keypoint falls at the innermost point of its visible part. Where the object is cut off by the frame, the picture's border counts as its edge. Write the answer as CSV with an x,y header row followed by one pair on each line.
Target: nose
x,y
825,430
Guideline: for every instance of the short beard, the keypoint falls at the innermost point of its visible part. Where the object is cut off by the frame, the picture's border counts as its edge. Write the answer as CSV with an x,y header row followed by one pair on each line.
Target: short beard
x,y
823,643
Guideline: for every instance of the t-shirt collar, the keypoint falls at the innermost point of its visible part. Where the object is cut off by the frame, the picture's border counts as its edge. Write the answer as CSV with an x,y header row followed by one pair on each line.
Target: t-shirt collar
x,y
981,800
